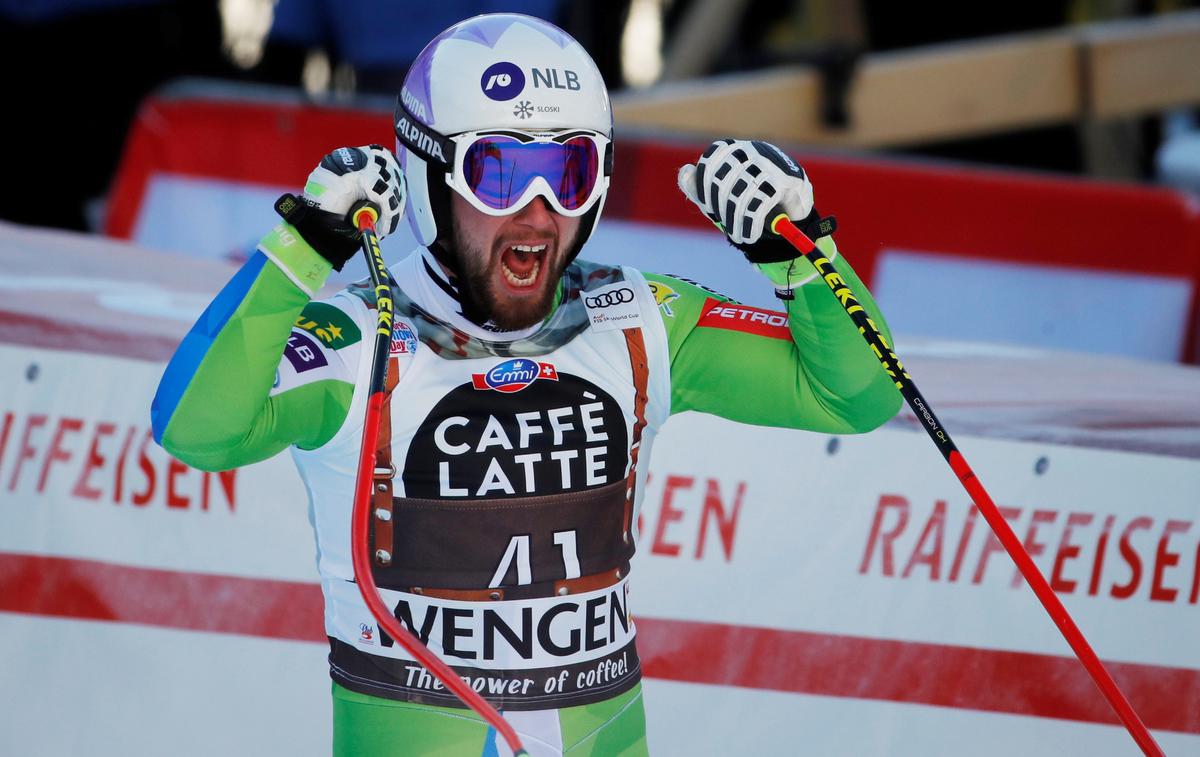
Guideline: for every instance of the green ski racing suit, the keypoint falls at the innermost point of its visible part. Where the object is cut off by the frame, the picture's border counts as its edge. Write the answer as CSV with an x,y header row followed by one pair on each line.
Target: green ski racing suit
x,y
267,368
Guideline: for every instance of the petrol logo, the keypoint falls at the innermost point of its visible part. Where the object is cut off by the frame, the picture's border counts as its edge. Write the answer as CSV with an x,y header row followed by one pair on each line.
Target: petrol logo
x,y
513,375
732,316
502,81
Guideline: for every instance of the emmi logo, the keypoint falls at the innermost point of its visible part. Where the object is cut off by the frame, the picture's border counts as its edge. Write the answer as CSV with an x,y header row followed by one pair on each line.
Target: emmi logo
x,y
553,78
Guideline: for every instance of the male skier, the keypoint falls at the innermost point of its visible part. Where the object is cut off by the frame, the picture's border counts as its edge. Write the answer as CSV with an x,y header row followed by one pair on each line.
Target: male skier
x,y
525,389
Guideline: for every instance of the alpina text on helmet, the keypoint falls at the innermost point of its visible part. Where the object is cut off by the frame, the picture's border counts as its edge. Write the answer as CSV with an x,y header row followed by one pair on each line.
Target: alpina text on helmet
x,y
414,104
417,139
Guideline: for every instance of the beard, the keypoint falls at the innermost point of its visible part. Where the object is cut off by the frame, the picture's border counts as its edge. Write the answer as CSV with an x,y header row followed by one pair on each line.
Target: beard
x,y
484,300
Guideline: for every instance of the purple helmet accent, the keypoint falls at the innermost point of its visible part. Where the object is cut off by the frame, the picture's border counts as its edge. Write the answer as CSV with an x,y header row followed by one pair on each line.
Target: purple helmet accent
x,y
482,30
416,84
487,29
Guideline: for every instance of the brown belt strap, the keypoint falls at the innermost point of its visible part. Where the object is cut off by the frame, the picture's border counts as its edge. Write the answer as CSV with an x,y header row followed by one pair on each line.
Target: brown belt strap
x,y
641,371
381,498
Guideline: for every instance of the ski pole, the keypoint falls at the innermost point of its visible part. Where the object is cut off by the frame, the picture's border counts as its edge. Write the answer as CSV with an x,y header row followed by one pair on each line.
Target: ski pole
x,y
895,369
364,219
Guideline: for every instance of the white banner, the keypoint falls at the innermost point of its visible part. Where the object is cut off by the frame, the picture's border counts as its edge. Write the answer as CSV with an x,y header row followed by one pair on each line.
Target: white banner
x,y
794,593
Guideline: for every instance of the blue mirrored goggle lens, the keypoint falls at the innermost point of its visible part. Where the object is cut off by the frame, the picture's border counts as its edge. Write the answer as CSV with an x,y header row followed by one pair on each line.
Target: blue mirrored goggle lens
x,y
498,169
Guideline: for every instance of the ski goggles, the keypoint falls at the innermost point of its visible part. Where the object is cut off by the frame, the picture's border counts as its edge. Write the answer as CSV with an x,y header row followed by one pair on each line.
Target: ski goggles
x,y
500,172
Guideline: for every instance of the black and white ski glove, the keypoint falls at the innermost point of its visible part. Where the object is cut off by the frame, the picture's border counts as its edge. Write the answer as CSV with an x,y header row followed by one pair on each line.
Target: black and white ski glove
x,y
742,185
341,182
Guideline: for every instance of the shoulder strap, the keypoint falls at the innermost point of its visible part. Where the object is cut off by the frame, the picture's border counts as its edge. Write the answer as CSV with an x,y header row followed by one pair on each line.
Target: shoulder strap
x,y
385,472
636,344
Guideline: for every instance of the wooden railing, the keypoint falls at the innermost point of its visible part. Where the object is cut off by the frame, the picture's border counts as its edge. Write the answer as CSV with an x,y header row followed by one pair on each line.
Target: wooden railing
x,y
1088,72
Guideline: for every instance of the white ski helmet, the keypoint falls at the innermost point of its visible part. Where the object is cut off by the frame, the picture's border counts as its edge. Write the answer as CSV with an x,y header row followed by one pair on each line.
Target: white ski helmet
x,y
501,71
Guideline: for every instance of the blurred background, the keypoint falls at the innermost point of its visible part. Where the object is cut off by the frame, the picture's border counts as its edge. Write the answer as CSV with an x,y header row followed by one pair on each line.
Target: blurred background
x,y
117,52
1018,184
986,134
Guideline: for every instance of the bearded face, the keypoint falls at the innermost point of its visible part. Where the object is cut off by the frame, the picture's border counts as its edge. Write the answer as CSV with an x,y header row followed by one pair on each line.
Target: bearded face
x,y
512,264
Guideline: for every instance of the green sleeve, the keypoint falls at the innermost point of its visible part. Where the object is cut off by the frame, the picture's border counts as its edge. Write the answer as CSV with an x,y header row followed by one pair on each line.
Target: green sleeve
x,y
263,368
816,373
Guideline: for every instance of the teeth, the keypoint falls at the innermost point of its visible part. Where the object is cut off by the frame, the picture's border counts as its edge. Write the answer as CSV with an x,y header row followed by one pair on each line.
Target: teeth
x,y
529,247
516,280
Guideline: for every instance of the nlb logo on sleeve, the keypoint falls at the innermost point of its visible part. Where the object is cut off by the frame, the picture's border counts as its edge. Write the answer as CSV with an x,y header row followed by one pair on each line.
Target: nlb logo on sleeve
x,y
303,353
514,375
613,307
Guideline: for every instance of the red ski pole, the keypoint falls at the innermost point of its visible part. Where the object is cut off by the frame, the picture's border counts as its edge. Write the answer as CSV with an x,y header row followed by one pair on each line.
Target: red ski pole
x,y
364,219
895,369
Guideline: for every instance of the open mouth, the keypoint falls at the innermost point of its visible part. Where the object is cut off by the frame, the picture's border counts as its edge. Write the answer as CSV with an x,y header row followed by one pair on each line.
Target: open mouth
x,y
521,263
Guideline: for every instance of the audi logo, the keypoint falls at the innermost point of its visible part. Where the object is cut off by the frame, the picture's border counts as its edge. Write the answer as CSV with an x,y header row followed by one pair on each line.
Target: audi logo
x,y
608,299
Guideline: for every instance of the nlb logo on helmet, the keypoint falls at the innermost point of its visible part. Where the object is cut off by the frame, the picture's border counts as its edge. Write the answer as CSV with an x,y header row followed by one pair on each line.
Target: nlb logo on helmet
x,y
548,79
536,73
502,81
514,375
